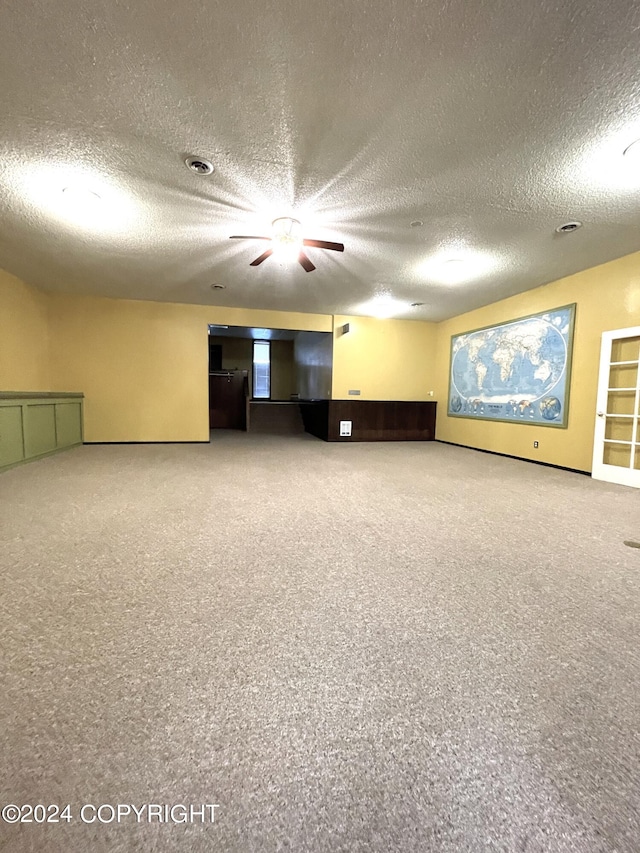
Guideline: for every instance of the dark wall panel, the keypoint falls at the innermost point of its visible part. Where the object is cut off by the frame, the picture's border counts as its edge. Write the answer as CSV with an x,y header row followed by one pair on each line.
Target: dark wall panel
x,y
371,420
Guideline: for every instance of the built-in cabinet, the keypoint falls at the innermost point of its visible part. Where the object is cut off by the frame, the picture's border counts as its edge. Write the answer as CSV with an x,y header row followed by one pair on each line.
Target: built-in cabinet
x,y
228,398
36,424
370,420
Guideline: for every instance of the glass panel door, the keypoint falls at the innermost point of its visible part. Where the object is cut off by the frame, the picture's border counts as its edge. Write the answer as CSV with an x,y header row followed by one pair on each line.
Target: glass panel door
x,y
616,448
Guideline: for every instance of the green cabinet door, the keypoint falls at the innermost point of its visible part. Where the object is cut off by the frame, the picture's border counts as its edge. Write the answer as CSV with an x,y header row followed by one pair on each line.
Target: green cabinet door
x,y
39,428
68,424
11,444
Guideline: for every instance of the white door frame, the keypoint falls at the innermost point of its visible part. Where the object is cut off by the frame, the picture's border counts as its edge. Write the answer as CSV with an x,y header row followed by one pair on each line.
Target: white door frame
x,y
600,470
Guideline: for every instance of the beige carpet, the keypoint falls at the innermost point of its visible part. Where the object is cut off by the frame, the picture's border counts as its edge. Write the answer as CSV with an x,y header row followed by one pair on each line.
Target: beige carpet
x,y
372,647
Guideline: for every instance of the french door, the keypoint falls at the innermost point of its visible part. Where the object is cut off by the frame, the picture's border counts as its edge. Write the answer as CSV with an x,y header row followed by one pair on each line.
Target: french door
x,y
616,446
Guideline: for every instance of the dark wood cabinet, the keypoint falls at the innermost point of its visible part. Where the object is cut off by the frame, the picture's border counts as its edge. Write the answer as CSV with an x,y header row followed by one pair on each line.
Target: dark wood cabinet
x,y
228,394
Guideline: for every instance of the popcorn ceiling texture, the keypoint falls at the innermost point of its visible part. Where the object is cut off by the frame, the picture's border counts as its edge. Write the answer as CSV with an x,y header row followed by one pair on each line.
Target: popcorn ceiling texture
x,y
491,122
406,647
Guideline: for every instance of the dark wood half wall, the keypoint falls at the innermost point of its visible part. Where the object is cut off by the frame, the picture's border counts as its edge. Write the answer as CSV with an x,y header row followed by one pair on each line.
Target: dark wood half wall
x,y
371,420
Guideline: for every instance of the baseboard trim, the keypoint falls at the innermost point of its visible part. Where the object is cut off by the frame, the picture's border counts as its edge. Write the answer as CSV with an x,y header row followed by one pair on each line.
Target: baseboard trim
x,y
39,456
145,442
519,458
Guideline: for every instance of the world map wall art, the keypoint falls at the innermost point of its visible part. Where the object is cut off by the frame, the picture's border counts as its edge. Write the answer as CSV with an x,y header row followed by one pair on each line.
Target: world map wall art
x,y
517,371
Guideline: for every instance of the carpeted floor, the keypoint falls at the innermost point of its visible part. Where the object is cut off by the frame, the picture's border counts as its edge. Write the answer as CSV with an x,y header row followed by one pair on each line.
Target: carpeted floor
x,y
373,647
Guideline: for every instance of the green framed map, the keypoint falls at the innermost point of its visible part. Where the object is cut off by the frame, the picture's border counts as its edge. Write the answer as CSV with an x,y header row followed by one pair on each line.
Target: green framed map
x,y
517,371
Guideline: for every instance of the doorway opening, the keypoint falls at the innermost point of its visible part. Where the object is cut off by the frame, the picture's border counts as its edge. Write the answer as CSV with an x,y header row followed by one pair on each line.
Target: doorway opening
x,y
616,445
258,376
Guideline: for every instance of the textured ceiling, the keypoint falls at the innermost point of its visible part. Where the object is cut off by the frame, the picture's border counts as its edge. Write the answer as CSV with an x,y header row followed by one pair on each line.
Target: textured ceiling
x,y
491,122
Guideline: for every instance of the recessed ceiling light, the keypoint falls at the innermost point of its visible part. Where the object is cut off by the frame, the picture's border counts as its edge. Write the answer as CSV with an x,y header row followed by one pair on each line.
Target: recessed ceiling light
x,y
632,152
458,264
199,165
383,307
218,286
80,195
453,270
568,227
77,196
417,223
417,304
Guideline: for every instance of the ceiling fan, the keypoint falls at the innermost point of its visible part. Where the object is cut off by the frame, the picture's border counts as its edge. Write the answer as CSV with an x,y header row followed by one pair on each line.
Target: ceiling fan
x,y
287,242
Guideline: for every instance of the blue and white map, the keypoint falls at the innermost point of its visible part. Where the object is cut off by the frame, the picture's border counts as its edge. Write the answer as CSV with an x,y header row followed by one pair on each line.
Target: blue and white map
x,y
515,372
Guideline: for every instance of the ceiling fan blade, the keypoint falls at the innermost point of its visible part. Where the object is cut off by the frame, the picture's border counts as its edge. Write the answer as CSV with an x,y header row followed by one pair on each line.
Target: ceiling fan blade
x,y
247,237
263,257
305,262
324,244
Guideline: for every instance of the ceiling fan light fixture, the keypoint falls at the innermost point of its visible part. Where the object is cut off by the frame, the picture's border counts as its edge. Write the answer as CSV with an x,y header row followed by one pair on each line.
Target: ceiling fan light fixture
x,y
286,239
287,242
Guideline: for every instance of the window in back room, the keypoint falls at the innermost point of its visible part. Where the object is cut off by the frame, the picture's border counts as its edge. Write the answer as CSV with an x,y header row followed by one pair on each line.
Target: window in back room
x,y
261,370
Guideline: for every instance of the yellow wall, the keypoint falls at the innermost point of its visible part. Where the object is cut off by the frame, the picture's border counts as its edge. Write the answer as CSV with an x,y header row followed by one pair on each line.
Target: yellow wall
x,y
237,353
143,365
384,359
607,297
24,337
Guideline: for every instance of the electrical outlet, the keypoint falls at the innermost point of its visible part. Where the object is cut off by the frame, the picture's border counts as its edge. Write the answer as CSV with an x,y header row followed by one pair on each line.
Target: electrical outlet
x,y
535,443
345,428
